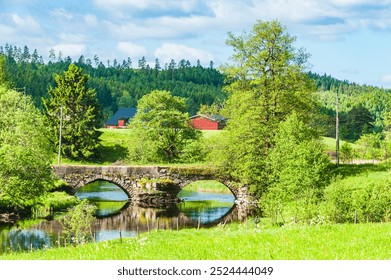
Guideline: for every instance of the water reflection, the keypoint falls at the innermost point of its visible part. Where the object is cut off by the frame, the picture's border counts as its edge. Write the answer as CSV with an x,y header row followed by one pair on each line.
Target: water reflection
x,y
118,217
205,207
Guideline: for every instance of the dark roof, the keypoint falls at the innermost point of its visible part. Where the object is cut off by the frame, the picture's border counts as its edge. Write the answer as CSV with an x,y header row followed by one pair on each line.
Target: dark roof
x,y
122,114
214,118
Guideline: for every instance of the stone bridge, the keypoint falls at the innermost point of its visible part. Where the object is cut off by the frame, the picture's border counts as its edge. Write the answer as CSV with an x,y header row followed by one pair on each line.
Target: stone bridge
x,y
150,185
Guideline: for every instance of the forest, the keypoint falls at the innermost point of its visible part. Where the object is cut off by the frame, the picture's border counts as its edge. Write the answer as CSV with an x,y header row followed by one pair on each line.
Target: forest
x,y
117,84
362,108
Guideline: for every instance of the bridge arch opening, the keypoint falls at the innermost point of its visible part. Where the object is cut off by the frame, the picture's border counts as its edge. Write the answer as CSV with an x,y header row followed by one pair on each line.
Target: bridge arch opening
x,y
109,198
208,186
207,201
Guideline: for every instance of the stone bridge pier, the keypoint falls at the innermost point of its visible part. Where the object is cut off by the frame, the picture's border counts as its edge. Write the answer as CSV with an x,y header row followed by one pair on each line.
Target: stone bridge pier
x,y
149,185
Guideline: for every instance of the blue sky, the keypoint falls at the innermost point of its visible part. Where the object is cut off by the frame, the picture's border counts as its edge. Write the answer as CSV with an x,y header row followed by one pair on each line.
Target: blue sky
x,y
348,39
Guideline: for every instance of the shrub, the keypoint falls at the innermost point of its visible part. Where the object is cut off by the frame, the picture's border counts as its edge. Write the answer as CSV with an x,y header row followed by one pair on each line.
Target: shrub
x,y
79,221
298,172
353,202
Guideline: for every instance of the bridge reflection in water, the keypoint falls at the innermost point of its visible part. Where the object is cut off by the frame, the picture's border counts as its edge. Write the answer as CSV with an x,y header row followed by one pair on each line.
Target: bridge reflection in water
x,y
129,219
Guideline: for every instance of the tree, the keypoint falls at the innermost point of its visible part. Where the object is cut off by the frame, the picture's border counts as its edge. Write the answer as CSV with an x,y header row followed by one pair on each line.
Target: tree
x,y
161,128
25,149
267,83
298,170
3,72
370,145
72,102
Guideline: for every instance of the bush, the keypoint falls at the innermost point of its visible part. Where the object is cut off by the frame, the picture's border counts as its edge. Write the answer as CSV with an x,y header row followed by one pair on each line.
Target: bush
x,y
345,201
79,221
298,172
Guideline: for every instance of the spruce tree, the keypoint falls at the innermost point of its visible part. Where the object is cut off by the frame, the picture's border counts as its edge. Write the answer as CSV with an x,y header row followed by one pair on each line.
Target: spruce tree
x,y
72,102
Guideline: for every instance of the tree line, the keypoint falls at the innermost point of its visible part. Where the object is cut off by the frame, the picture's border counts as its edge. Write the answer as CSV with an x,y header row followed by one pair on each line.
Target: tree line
x,y
117,84
362,108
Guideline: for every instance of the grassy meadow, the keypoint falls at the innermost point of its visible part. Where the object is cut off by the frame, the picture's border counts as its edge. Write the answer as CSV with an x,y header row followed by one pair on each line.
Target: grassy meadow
x,y
246,241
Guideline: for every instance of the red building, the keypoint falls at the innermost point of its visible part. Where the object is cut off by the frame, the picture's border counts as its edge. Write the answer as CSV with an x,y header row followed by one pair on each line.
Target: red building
x,y
205,122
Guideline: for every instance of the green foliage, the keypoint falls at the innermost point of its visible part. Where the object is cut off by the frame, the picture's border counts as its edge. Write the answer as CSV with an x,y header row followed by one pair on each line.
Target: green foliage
x,y
3,72
363,109
346,152
50,202
360,199
117,84
79,221
160,128
370,146
298,171
266,85
25,150
76,105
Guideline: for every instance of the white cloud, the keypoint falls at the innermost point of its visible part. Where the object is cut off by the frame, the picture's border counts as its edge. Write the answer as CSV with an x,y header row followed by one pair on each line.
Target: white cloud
x,y
72,50
6,31
184,5
131,49
386,79
61,13
161,27
91,20
177,52
25,22
71,38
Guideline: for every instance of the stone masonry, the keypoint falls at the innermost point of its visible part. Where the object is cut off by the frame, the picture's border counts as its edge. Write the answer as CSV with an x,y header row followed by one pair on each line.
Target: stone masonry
x,y
152,185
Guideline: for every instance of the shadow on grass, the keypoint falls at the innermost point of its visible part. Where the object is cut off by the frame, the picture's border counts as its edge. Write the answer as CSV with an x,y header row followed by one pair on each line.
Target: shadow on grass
x,y
111,154
348,170
106,155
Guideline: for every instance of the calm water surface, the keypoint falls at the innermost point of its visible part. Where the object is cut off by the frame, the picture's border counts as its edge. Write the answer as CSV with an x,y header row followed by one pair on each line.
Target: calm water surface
x,y
117,216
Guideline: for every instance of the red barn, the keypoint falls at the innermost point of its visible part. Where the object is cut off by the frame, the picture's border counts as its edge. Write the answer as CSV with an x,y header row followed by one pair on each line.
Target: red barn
x,y
206,122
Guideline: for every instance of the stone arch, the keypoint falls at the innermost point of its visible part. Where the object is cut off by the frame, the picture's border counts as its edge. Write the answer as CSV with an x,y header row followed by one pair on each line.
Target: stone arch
x,y
224,183
110,180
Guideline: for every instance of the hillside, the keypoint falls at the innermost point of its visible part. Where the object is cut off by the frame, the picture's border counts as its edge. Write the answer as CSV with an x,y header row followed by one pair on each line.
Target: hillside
x,y
117,84
362,108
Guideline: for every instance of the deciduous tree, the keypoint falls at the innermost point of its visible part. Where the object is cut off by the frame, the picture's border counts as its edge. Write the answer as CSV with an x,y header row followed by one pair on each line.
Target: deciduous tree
x,y
266,84
161,128
25,149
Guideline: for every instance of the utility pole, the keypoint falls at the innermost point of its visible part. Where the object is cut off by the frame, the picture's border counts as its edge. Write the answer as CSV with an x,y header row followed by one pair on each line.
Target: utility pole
x,y
59,138
336,129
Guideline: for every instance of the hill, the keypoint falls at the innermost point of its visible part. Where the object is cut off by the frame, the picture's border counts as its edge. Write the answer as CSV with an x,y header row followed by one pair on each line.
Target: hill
x,y
117,84
362,108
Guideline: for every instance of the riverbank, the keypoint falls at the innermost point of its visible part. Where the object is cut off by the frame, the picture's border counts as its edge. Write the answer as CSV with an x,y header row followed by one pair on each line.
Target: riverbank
x,y
246,241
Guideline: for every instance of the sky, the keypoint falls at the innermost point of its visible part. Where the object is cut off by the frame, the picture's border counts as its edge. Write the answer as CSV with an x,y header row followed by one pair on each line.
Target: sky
x,y
347,39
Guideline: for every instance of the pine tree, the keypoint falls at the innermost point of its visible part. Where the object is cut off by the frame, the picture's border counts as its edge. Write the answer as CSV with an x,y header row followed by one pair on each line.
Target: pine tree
x,y
73,102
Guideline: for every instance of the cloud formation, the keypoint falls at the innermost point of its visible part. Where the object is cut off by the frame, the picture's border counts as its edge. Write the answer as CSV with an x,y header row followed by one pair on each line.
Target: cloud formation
x,y
177,52
193,28
132,50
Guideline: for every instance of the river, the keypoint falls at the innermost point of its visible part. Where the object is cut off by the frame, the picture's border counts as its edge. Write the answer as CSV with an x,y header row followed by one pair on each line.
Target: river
x,y
118,217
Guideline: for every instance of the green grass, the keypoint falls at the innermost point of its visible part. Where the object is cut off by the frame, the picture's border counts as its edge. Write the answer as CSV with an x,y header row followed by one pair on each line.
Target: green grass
x,y
210,133
207,186
237,241
331,144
